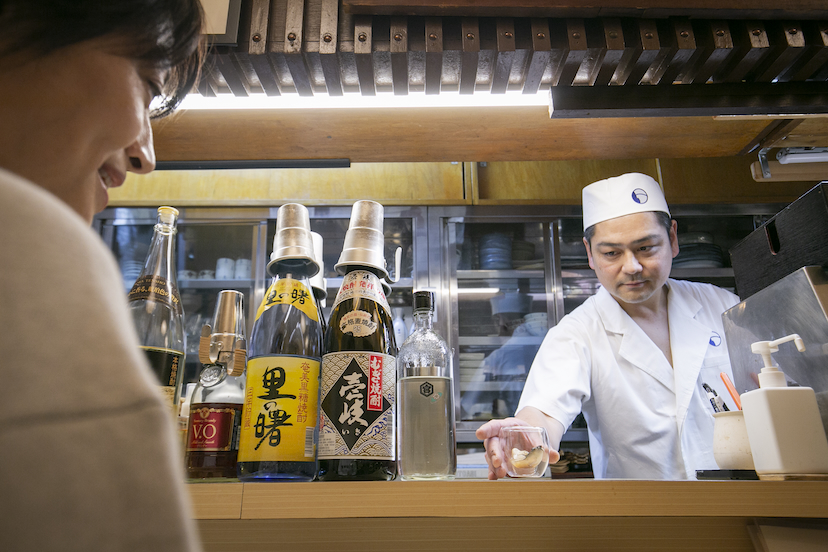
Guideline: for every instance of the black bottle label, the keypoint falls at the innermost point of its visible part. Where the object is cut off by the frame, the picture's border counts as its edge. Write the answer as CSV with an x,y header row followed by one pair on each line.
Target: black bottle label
x,y
357,406
156,288
165,364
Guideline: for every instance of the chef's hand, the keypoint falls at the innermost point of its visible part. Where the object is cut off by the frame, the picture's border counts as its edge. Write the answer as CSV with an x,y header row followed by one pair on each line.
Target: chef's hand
x,y
494,452
495,456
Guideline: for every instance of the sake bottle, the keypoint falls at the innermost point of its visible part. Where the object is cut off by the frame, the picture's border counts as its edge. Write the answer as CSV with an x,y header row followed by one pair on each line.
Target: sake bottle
x,y
357,440
155,305
318,282
215,409
279,432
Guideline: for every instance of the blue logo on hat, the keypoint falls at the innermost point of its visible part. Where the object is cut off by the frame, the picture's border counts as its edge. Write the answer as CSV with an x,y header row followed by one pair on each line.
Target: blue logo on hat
x,y
639,196
715,339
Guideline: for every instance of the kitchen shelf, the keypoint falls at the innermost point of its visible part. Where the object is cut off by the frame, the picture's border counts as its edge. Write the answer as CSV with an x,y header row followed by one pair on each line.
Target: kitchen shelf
x,y
498,274
465,433
491,386
210,284
500,340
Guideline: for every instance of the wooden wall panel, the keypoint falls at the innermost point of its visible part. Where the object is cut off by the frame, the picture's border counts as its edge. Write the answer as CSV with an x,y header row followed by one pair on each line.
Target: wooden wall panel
x,y
551,182
388,183
442,134
723,180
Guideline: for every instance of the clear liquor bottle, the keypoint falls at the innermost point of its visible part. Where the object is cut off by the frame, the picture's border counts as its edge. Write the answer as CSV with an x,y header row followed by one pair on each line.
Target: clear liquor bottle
x,y
425,395
156,309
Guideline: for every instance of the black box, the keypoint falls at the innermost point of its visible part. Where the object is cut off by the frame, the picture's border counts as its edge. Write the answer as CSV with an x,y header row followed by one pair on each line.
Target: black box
x,y
797,236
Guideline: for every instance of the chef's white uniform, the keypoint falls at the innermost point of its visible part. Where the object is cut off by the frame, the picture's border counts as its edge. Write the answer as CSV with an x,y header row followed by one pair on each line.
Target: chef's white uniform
x,y
646,419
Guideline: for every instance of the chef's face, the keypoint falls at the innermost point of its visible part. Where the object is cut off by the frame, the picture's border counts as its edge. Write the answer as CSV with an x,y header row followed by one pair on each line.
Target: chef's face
x,y
85,111
632,256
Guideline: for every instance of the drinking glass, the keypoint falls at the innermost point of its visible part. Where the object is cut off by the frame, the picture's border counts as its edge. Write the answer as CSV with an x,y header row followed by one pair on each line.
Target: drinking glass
x,y
526,449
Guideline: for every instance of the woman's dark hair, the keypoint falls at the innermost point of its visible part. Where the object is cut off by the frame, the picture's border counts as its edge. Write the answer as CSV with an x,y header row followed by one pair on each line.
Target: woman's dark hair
x,y
164,33
663,218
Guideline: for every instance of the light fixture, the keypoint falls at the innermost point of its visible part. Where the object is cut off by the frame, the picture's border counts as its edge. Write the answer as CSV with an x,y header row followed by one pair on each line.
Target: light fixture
x,y
358,101
802,155
479,291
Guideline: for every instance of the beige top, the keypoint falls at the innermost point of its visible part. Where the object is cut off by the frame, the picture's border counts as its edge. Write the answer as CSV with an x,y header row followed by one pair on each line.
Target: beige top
x,y
88,459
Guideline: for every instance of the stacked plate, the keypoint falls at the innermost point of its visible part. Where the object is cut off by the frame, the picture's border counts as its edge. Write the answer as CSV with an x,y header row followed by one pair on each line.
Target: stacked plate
x,y
495,251
697,250
523,250
131,270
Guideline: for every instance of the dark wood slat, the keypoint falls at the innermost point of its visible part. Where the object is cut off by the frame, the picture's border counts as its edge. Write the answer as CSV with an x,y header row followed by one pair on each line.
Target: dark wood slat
x,y
714,47
293,41
788,41
651,53
813,9
816,36
363,40
470,31
505,54
253,25
632,51
576,51
686,52
267,77
690,100
613,43
667,48
328,41
559,49
434,54
231,73
751,41
596,52
399,55
539,57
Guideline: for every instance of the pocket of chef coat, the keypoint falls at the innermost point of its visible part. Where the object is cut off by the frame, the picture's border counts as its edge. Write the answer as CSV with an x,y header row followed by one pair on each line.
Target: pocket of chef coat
x,y
712,367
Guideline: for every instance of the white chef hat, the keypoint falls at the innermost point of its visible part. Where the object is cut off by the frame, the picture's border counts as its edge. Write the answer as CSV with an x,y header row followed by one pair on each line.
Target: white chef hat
x,y
622,195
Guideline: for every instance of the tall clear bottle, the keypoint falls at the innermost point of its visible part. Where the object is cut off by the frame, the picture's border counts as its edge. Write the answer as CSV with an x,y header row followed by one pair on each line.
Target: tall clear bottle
x,y
216,403
357,440
156,307
279,432
425,415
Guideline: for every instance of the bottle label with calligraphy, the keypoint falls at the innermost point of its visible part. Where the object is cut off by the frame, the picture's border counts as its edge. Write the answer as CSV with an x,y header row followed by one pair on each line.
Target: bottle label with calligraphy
x,y
156,288
357,401
362,283
287,291
213,429
280,409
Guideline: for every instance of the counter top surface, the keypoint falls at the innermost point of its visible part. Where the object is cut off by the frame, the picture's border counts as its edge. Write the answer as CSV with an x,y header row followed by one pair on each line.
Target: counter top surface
x,y
509,498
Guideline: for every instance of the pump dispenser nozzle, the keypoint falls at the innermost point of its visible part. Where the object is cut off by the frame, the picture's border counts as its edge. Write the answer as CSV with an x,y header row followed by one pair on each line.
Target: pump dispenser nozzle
x,y
771,376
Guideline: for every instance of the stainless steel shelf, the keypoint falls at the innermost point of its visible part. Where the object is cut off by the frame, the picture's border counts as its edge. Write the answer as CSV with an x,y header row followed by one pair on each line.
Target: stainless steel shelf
x,y
498,274
678,273
492,386
500,340
215,284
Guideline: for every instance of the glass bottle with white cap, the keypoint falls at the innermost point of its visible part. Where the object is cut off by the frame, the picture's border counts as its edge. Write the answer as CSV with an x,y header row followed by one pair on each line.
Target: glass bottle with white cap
x,y
358,395
279,433
156,307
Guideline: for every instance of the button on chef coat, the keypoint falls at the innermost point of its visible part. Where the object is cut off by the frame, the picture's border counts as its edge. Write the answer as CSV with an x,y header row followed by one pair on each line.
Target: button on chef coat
x,y
646,419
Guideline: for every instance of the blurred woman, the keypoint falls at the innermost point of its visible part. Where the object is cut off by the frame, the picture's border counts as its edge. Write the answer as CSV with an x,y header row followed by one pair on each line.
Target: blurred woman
x,y
89,458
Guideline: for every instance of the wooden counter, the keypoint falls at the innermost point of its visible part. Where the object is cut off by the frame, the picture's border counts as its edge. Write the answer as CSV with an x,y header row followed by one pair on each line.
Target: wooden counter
x,y
503,515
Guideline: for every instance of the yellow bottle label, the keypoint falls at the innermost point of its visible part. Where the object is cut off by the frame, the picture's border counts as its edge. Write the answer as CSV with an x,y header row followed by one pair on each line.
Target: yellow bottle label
x,y
287,291
281,409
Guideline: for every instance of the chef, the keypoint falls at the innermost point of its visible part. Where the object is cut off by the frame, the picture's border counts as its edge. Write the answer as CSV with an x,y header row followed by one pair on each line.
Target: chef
x,y
634,357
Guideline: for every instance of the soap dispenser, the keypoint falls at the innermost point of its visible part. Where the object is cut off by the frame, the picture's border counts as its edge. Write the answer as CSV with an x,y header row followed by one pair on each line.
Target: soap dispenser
x,y
783,423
